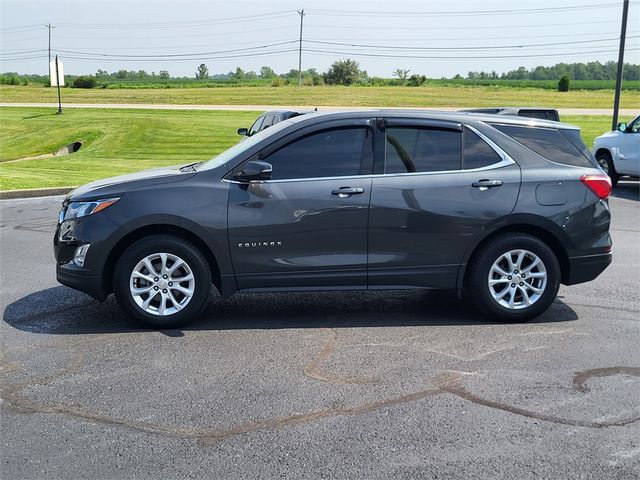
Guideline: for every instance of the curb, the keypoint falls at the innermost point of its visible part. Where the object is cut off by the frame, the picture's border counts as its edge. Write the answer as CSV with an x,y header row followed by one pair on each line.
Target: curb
x,y
34,192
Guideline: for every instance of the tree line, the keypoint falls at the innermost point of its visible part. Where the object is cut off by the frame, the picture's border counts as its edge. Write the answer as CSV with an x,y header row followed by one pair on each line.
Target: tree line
x,y
341,72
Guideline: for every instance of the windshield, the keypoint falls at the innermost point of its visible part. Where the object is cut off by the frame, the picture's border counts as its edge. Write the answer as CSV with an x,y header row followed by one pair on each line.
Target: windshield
x,y
240,148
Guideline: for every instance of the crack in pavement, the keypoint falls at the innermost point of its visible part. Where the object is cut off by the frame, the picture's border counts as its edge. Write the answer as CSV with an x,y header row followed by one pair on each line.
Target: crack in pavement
x,y
451,382
580,379
455,387
312,369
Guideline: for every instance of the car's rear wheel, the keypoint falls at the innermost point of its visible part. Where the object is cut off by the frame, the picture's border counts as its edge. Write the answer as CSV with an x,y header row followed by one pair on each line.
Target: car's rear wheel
x,y
162,281
606,163
514,277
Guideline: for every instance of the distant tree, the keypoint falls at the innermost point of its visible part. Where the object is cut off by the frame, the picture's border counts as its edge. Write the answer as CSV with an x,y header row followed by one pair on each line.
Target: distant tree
x,y
164,75
564,83
416,80
203,72
84,82
402,74
238,74
142,74
267,72
343,72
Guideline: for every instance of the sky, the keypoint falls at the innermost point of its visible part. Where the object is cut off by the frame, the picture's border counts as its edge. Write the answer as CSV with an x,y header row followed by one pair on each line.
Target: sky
x,y
432,38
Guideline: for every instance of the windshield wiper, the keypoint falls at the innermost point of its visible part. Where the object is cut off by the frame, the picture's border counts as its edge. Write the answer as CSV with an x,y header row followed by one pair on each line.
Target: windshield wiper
x,y
191,167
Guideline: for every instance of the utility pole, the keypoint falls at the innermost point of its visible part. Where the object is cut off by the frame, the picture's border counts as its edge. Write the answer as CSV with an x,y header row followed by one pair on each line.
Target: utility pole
x,y
623,35
49,26
58,85
301,13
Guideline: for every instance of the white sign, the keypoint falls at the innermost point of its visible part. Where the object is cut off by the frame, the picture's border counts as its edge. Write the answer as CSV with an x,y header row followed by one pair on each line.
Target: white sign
x,y
52,73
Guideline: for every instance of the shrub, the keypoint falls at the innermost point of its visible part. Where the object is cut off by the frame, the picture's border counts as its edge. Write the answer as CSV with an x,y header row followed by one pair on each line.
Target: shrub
x,y
563,84
416,80
84,82
277,82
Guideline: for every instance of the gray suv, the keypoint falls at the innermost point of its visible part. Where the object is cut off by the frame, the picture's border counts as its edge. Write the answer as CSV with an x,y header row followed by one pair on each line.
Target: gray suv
x,y
503,208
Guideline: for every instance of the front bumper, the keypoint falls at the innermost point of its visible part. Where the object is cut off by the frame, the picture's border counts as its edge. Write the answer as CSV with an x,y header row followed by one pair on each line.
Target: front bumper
x,y
76,278
586,268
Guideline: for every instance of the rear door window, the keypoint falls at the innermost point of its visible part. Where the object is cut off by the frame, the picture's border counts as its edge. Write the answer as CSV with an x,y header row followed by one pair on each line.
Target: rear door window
x,y
549,143
477,152
416,149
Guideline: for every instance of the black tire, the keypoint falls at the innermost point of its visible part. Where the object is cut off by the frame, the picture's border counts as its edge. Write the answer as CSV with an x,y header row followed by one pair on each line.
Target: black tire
x,y
183,249
605,161
482,262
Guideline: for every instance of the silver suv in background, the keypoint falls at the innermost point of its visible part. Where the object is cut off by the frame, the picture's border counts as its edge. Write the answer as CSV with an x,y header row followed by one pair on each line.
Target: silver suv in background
x,y
618,152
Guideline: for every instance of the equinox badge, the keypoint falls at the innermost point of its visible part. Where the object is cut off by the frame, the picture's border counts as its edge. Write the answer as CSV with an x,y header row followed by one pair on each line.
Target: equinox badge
x,y
259,244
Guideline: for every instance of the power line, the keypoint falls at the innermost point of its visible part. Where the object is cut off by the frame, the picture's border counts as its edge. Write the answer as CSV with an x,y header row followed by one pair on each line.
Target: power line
x,y
460,13
242,55
182,24
457,27
171,55
471,47
448,57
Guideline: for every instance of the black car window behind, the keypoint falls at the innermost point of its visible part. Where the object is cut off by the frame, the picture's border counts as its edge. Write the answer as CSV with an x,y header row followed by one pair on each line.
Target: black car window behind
x,y
477,153
413,150
549,143
329,153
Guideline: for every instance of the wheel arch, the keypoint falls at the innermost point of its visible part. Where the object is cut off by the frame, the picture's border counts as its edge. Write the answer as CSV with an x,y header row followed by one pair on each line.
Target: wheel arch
x,y
535,227
160,229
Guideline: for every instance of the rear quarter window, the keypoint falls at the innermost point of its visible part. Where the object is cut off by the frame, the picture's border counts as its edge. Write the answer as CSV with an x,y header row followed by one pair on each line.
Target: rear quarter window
x,y
549,143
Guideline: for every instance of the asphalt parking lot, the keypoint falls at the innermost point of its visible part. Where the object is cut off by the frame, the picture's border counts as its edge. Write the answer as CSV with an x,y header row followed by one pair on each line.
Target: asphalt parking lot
x,y
328,385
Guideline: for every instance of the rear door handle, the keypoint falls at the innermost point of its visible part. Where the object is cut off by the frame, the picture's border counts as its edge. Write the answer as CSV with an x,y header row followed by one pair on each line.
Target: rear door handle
x,y
485,184
344,192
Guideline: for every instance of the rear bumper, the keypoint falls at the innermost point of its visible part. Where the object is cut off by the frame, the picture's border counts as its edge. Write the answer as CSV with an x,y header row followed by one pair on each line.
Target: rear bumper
x,y
585,269
76,278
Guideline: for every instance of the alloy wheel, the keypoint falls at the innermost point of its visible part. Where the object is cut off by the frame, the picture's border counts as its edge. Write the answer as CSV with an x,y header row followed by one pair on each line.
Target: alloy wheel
x,y
517,279
162,284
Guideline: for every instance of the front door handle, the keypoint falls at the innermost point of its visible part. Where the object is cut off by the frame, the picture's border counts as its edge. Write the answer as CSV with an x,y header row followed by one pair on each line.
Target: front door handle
x,y
485,184
344,192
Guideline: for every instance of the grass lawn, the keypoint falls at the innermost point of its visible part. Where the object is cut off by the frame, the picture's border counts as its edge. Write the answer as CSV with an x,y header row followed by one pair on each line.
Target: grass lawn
x,y
453,96
122,141
114,142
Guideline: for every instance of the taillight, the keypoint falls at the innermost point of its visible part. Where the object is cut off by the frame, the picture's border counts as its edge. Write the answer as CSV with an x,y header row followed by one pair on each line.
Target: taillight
x,y
599,184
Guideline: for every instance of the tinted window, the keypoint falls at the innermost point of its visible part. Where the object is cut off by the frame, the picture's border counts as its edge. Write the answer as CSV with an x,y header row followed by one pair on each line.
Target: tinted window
x,y
410,149
330,153
477,153
256,125
547,142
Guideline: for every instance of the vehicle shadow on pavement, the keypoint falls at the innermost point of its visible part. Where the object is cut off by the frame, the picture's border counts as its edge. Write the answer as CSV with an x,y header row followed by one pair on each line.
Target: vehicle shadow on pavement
x,y
627,189
61,310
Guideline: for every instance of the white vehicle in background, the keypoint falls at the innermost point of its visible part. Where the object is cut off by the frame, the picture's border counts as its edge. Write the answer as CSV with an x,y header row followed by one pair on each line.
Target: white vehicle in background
x,y
618,152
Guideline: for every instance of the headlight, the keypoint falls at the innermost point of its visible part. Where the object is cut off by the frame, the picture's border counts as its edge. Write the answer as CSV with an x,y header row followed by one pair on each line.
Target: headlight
x,y
82,209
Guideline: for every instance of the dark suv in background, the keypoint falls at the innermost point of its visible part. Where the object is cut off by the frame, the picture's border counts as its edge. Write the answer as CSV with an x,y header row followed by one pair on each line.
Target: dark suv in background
x,y
268,119
503,208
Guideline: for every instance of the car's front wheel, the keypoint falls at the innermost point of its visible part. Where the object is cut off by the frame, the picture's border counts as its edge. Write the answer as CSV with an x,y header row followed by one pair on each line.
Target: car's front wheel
x,y
162,281
514,277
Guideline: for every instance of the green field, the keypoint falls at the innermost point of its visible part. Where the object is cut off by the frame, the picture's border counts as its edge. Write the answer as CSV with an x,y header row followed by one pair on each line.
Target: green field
x,y
122,141
452,96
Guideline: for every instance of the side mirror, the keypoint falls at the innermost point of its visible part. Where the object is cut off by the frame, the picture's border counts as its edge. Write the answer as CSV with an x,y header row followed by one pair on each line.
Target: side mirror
x,y
243,131
622,127
254,170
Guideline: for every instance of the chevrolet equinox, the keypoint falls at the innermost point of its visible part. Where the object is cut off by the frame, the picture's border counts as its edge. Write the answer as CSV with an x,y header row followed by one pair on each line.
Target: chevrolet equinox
x,y
503,208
